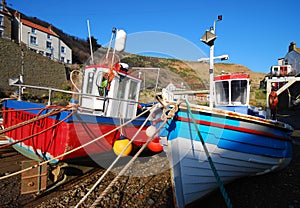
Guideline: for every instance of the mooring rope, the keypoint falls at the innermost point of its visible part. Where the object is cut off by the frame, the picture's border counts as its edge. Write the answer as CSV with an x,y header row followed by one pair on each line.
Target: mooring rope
x,y
170,114
24,109
75,149
211,163
115,161
52,112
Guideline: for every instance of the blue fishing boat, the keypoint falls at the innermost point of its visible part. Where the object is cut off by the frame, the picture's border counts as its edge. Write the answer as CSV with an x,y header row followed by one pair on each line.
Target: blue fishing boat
x,y
212,146
207,146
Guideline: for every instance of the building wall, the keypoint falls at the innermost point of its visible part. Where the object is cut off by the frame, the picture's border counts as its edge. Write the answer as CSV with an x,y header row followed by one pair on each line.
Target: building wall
x,y
46,44
65,55
5,24
293,58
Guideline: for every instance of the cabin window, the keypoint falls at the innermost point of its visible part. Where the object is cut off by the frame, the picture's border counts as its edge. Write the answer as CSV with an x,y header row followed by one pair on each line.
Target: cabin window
x,y
89,87
132,90
122,88
222,93
238,92
101,82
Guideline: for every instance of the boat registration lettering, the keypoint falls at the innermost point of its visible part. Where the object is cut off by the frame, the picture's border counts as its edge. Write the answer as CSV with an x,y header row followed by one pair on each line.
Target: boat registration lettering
x,y
23,116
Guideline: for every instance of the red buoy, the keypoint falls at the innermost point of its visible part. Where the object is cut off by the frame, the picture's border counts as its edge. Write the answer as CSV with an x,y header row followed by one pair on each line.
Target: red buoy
x,y
155,146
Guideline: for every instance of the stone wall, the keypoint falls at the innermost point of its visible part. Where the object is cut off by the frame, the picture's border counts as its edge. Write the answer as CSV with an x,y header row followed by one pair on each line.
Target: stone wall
x,y
38,70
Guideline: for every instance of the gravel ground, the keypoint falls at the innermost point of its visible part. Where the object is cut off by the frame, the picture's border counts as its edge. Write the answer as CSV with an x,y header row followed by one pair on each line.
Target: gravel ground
x,y
277,190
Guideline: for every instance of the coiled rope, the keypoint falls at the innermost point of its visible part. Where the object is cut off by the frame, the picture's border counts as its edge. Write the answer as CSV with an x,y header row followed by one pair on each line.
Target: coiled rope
x,y
211,163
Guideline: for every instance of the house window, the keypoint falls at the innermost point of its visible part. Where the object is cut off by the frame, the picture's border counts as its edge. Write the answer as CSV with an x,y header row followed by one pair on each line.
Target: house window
x,y
33,40
1,20
48,45
62,59
33,31
48,55
63,49
1,7
49,36
1,33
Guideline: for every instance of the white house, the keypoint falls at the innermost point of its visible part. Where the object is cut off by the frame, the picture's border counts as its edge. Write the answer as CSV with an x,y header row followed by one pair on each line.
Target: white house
x,y
40,39
293,58
5,21
175,88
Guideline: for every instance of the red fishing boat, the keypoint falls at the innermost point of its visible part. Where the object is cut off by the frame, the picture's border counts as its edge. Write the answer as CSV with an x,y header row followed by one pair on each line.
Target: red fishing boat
x,y
104,112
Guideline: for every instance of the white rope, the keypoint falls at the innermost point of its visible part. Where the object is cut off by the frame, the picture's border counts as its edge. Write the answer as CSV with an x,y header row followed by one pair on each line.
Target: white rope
x,y
73,150
71,78
96,202
165,119
115,161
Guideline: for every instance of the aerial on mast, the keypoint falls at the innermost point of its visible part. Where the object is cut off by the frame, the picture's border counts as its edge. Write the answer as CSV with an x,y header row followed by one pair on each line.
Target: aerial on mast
x,y
91,47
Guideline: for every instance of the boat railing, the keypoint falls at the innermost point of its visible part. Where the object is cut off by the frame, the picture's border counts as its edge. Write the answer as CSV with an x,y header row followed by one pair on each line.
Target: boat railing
x,y
51,90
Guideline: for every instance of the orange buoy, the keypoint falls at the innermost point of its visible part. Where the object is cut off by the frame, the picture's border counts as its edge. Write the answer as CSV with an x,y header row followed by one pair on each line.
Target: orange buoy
x,y
120,144
155,146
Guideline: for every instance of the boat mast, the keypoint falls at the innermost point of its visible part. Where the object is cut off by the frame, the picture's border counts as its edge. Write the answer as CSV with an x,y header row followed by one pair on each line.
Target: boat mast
x,y
91,47
209,38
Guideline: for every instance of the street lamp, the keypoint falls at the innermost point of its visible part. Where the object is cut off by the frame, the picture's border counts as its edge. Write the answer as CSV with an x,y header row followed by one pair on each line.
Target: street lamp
x,y
209,38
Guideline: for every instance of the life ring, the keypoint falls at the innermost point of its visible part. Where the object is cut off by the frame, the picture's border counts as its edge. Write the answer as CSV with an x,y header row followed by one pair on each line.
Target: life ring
x,y
273,100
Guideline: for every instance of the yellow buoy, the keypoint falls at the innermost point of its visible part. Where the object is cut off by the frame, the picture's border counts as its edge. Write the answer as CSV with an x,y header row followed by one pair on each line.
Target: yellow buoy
x,y
120,144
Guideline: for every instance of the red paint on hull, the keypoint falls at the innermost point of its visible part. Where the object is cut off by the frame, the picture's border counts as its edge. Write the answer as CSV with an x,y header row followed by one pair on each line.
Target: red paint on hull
x,y
66,136
235,128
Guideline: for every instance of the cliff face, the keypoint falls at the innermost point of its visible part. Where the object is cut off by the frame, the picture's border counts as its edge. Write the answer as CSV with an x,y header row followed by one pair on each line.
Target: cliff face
x,y
38,70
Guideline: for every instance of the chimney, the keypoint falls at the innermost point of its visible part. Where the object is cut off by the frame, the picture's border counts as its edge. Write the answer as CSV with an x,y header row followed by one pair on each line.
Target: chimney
x,y
50,27
292,46
3,3
17,14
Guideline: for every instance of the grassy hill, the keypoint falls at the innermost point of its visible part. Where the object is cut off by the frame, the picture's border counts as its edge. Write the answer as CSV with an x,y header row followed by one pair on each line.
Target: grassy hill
x,y
194,75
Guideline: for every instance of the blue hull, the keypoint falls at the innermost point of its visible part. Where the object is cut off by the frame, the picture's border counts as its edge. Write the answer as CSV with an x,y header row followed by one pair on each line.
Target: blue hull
x,y
239,146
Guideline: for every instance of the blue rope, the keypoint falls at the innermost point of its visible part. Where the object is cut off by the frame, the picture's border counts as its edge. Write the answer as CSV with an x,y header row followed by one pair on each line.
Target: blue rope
x,y
211,163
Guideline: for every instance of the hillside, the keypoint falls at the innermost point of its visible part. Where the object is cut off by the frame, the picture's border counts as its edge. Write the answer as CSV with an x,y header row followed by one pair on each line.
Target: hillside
x,y
39,70
194,75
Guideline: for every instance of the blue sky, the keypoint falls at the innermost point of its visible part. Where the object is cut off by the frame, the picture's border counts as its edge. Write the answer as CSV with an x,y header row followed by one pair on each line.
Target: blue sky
x,y
254,33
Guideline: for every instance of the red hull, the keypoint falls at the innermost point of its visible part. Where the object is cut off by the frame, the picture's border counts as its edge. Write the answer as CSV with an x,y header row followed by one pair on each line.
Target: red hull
x,y
66,136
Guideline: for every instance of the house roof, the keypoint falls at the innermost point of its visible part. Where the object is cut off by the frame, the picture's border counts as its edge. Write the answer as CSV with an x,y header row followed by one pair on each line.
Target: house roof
x,y
38,27
5,11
